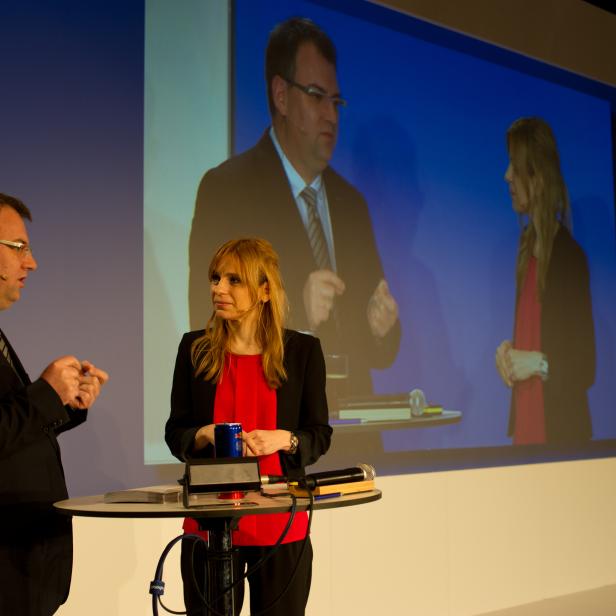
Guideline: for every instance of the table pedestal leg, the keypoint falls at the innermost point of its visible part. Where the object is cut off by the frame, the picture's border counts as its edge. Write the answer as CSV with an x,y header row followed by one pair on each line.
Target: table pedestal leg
x,y
219,565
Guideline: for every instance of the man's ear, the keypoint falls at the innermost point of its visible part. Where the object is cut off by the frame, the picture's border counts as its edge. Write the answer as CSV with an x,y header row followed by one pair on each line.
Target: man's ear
x,y
280,89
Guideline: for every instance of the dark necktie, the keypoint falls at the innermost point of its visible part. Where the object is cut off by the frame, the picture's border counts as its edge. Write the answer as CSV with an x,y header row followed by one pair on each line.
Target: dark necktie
x,y
7,355
5,351
316,235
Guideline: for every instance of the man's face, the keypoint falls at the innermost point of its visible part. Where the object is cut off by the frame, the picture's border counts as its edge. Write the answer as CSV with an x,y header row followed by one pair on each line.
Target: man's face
x,y
14,265
311,123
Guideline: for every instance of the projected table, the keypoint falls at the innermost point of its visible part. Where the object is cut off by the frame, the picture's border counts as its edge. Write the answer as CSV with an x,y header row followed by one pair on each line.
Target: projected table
x,y
425,421
217,517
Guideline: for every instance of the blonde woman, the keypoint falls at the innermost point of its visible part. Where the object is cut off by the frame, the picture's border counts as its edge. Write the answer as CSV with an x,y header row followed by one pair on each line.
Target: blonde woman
x,y
245,367
550,363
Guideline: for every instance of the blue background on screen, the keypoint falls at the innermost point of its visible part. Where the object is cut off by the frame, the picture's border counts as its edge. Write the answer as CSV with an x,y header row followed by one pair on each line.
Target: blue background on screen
x,y
423,138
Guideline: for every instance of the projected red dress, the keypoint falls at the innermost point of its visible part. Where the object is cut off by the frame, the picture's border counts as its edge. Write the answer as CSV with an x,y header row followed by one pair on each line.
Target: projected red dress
x,y
529,412
244,396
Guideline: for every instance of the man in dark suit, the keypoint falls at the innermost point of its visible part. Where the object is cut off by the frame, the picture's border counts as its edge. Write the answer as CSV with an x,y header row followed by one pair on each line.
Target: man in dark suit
x,y
35,543
284,190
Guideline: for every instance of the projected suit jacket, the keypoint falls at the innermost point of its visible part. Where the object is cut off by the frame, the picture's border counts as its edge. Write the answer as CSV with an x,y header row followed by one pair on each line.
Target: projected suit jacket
x,y
301,406
568,341
35,542
249,195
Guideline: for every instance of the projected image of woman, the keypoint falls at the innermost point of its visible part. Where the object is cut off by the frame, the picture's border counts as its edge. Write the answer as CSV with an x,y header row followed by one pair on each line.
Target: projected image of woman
x,y
550,364
245,367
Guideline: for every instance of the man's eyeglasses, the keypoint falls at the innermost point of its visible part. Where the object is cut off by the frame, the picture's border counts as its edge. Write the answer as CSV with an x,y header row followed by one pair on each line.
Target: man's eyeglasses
x,y
21,248
318,94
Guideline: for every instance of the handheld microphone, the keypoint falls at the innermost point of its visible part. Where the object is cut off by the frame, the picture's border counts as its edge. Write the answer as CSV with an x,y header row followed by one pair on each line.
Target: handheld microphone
x,y
269,479
361,472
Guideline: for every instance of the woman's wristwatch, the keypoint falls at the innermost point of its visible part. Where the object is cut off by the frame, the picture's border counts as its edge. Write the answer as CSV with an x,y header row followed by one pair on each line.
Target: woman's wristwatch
x,y
294,444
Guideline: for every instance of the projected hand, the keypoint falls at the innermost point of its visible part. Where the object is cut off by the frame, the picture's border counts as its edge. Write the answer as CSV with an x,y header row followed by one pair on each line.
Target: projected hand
x,y
91,379
265,442
503,365
524,364
516,365
320,289
382,310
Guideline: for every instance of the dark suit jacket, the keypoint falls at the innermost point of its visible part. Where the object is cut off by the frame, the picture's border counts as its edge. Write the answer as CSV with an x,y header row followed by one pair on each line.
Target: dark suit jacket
x,y
248,196
301,406
568,341
35,542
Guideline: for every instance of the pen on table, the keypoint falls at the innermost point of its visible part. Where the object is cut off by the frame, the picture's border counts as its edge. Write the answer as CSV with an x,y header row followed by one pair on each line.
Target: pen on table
x,y
345,422
332,495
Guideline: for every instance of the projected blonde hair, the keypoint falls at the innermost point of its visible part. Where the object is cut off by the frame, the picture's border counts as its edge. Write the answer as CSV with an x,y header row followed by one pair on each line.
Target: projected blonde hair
x,y
534,156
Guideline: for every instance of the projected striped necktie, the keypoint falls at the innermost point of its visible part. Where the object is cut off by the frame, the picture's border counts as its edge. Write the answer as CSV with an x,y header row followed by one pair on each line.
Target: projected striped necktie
x,y
318,243
5,351
316,235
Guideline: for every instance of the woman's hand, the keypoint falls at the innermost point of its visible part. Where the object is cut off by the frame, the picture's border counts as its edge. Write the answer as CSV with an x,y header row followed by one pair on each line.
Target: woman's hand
x,y
524,364
265,442
204,437
515,365
503,364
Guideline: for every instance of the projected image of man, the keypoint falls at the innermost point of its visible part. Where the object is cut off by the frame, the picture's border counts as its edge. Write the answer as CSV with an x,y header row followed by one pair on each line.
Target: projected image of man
x,y
283,189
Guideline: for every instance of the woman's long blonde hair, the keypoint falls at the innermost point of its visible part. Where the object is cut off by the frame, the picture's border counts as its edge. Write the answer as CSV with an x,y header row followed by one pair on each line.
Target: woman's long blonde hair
x,y
257,262
534,157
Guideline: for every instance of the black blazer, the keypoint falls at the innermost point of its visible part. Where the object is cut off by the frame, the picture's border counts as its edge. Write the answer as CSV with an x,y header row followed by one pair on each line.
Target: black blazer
x,y
249,195
568,341
35,542
301,403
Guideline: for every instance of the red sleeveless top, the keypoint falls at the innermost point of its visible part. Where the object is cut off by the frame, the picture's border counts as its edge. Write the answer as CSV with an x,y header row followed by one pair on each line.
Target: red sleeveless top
x,y
529,428
244,396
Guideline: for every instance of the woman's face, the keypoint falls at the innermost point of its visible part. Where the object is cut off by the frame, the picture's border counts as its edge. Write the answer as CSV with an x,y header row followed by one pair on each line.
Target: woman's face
x,y
520,199
230,294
